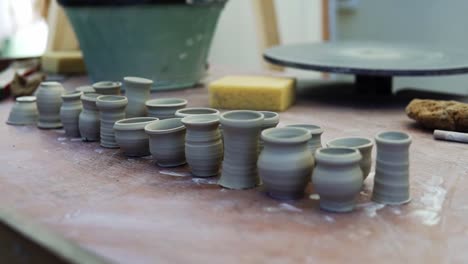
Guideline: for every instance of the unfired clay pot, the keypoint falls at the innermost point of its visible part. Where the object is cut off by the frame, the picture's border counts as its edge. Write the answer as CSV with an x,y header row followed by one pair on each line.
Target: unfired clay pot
x,y
111,109
48,104
85,89
89,122
391,182
167,142
23,112
137,91
271,119
164,108
315,141
107,88
203,145
337,178
285,164
364,145
131,136
70,113
196,111
241,133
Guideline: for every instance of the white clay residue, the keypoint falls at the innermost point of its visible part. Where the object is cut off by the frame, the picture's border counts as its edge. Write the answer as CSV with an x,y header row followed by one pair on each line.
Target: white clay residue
x,y
314,196
75,139
371,208
433,198
63,143
204,181
395,210
329,219
173,173
61,138
98,150
283,207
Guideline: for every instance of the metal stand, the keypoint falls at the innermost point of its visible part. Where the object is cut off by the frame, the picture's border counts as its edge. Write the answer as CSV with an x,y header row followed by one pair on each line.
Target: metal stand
x,y
368,84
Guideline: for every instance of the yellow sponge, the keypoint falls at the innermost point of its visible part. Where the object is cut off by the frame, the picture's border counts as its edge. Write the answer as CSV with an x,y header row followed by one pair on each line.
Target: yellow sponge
x,y
252,92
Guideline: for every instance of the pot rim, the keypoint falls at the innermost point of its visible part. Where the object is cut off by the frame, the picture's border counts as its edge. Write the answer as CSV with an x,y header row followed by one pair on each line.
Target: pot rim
x,y
72,95
386,137
200,120
256,120
270,117
149,128
104,85
49,84
348,155
137,80
210,111
111,101
302,135
85,89
26,99
90,97
332,143
134,123
156,102
314,129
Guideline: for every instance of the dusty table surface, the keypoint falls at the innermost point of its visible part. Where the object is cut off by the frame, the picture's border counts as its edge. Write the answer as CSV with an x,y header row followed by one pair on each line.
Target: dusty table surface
x,y
128,210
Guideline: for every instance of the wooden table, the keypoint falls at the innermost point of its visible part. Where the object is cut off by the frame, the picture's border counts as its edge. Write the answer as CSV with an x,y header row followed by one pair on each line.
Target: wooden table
x,y
62,192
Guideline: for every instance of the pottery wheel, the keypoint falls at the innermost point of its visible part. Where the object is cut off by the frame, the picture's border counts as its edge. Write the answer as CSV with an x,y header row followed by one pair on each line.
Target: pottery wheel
x,y
374,64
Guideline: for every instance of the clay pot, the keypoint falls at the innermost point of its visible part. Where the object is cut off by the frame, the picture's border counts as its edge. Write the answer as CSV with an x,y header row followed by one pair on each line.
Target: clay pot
x,y
85,89
337,178
164,108
167,142
391,182
315,141
364,145
48,104
203,145
241,133
271,119
196,111
285,164
111,109
107,88
23,112
70,113
137,91
89,122
131,136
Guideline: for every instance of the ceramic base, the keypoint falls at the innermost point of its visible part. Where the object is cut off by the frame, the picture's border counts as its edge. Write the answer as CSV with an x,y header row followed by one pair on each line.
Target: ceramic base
x,y
110,146
171,165
337,207
19,123
382,201
44,125
285,196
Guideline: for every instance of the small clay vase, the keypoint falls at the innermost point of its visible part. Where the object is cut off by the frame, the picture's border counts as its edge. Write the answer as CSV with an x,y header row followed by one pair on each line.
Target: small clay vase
x,y
271,119
181,113
167,142
48,104
89,122
364,145
241,130
164,108
137,91
203,145
24,112
337,178
107,88
391,182
70,113
111,109
85,89
315,141
285,164
131,136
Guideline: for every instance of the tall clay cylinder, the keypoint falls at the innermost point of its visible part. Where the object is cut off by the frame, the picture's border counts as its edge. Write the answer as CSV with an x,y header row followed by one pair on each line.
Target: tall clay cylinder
x,y
391,182
241,130
70,113
48,104
89,122
111,109
137,91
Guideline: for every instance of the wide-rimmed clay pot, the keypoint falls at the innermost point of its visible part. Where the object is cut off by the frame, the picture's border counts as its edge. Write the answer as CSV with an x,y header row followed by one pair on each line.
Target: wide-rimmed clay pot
x,y
364,145
167,142
196,111
391,182
89,122
70,113
85,89
337,178
48,104
137,91
111,109
285,164
315,141
203,145
164,108
23,112
241,130
271,119
107,87
131,136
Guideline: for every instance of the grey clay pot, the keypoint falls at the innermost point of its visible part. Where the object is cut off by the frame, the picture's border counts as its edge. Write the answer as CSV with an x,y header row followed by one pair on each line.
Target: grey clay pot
x,y
167,142
48,104
337,178
364,145
196,111
85,89
70,113
241,130
111,109
315,141
285,164
164,108
271,119
89,122
203,145
107,88
137,91
23,112
391,182
131,136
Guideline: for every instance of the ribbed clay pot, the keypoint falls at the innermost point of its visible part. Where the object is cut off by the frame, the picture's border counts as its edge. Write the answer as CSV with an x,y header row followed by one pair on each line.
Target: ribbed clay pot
x,y
285,164
391,182
137,91
364,145
111,109
181,113
107,88
167,142
85,89
337,178
70,113
131,136
315,141
203,145
23,112
48,104
164,108
89,122
271,119
241,130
